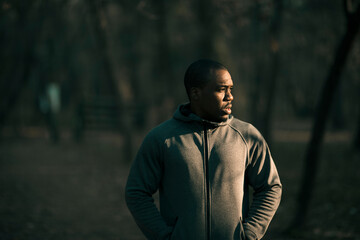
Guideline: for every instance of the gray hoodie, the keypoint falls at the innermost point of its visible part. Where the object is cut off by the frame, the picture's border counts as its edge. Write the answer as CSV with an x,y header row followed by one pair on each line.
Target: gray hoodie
x,y
203,171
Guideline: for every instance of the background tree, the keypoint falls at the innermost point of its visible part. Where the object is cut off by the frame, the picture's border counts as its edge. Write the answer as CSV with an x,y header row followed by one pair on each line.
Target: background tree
x,y
274,68
277,52
331,83
17,66
208,28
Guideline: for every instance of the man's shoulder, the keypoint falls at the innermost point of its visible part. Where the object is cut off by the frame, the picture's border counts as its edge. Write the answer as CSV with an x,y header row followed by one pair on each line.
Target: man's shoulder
x,y
247,130
242,126
162,130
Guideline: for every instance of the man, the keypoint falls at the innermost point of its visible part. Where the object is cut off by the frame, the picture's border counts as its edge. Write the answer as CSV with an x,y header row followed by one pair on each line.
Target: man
x,y
203,161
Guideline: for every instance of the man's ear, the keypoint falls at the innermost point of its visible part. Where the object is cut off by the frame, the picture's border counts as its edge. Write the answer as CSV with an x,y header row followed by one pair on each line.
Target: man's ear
x,y
195,93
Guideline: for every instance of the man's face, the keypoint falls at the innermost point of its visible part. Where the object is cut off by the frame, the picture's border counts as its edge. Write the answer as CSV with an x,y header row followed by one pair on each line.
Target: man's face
x,y
214,102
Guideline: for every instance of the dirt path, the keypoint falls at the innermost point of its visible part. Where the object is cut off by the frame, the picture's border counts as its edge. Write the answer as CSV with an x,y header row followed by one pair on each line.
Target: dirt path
x,y
65,191
76,191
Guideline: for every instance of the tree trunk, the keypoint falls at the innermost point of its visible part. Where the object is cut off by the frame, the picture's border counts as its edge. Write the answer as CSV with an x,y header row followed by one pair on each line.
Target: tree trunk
x,y
111,88
256,110
312,155
164,68
102,51
208,29
18,74
274,69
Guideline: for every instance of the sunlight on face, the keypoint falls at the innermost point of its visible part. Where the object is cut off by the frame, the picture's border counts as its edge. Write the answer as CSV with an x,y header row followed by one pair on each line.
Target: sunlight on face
x,y
215,97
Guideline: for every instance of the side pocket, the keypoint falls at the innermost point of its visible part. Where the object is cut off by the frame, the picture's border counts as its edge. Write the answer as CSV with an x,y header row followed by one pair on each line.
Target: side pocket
x,y
242,232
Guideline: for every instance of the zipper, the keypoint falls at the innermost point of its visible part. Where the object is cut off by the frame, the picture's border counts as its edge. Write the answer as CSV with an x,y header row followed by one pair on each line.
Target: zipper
x,y
207,183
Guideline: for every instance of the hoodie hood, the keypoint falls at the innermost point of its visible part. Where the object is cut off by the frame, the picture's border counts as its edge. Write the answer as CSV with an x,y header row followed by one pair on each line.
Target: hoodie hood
x,y
183,113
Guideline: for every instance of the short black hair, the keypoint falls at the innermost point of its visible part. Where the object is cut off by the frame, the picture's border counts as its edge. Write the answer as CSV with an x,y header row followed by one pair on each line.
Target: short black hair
x,y
200,72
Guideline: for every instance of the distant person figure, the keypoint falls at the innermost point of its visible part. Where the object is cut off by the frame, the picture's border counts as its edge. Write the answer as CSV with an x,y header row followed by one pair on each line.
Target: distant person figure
x,y
203,161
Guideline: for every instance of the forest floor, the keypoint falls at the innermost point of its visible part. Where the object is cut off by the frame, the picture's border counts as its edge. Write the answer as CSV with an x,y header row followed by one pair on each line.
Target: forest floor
x,y
75,191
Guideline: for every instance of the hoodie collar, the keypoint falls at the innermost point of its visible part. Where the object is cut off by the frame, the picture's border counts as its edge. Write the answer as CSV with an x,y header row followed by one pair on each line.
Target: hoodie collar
x,y
183,113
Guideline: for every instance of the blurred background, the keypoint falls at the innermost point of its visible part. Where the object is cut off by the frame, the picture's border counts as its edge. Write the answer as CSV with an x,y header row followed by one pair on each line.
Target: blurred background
x,y
82,82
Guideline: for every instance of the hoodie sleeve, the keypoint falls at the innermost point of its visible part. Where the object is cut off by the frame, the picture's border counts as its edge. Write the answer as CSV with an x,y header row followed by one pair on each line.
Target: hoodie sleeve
x,y
262,176
143,181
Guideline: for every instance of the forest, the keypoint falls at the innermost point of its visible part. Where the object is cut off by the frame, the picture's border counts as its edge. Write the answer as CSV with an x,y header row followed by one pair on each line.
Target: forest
x,y
82,82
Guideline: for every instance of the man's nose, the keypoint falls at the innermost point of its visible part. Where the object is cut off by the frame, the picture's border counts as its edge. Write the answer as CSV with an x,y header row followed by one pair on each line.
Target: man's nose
x,y
228,96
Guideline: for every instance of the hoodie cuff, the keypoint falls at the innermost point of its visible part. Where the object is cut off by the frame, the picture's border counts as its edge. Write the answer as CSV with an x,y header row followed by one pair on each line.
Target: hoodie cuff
x,y
166,234
250,235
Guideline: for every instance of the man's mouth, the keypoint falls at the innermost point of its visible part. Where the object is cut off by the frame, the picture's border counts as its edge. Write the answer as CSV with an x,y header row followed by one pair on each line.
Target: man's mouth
x,y
227,109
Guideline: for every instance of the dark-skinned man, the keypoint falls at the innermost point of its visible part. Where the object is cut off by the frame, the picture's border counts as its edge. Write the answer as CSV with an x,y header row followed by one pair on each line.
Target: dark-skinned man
x,y
203,162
